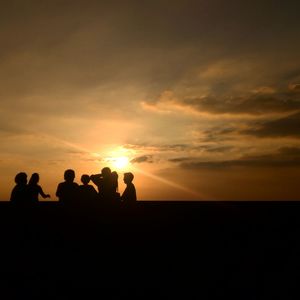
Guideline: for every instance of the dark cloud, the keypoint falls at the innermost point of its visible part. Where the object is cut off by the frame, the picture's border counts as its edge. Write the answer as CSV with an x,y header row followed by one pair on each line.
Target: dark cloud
x,y
157,147
218,149
217,134
176,147
180,159
251,104
290,152
75,151
283,154
181,148
142,159
284,127
284,157
55,45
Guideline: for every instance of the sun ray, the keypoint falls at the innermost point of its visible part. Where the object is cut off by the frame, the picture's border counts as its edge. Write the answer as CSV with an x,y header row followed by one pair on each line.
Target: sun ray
x,y
168,182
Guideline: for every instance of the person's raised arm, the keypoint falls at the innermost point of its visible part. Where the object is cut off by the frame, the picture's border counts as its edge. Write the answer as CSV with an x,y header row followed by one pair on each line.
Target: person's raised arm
x,y
96,178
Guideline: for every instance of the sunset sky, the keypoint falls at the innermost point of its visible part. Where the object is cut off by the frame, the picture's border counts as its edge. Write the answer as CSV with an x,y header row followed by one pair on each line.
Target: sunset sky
x,y
201,98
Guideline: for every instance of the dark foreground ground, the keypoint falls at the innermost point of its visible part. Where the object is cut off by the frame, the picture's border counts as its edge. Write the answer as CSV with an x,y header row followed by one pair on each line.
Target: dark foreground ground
x,y
191,250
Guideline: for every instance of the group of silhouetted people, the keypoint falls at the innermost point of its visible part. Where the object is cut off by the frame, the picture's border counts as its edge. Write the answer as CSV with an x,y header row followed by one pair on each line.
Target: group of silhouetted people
x,y
24,192
69,192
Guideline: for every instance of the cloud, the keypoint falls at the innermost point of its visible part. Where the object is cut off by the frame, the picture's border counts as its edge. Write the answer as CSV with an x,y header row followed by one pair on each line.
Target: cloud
x,y
217,134
284,157
157,147
283,127
217,149
76,152
142,159
179,148
254,104
180,159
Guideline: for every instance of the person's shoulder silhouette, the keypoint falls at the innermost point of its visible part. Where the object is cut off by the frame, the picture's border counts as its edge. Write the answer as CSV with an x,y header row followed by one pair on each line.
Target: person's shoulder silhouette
x,y
67,190
129,194
19,194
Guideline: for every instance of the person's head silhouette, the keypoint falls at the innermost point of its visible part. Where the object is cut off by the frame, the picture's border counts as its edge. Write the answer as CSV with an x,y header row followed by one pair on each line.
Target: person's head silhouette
x,y
34,179
128,177
21,178
85,179
114,176
69,175
106,172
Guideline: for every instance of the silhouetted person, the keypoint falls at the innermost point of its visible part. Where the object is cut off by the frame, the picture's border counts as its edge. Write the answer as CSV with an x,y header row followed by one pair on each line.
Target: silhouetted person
x,y
67,191
34,189
19,194
129,195
104,183
115,185
86,191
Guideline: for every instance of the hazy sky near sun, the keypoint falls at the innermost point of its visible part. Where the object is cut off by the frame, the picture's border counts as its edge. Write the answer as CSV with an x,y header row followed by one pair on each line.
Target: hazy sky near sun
x,y
203,97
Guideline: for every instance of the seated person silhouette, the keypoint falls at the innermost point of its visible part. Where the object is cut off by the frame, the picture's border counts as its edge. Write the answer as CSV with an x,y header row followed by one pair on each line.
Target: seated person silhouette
x,y
104,183
129,194
19,194
34,189
67,191
86,191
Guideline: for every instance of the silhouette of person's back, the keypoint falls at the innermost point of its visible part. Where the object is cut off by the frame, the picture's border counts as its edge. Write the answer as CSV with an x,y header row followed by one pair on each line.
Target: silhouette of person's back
x,y
86,191
19,194
104,183
129,194
67,191
115,185
34,189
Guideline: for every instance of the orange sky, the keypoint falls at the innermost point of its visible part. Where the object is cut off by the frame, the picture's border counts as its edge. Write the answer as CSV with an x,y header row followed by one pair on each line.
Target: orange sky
x,y
201,97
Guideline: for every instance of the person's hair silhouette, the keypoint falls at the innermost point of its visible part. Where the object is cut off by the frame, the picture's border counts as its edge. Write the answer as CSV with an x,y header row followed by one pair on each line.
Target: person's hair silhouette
x,y
34,189
19,194
86,191
67,190
129,194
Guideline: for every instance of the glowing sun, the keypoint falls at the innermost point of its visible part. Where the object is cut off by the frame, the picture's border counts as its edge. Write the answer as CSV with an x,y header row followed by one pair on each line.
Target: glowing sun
x,y
120,162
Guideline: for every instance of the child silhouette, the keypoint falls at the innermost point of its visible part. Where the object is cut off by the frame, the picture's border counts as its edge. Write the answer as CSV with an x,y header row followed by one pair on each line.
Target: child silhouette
x,y
19,194
129,194
87,191
67,191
